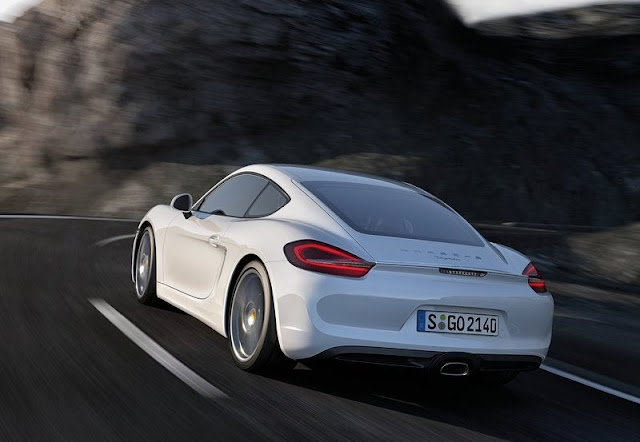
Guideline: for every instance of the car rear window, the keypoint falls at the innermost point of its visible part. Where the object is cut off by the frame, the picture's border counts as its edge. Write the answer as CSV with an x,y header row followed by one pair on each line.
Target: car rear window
x,y
393,211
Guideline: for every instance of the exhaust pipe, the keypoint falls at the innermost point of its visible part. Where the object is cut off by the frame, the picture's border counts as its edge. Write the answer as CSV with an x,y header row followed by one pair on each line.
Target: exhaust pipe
x,y
454,369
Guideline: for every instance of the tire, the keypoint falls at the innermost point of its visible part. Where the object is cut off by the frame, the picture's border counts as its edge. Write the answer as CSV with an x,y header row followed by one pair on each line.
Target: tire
x,y
253,338
145,269
496,378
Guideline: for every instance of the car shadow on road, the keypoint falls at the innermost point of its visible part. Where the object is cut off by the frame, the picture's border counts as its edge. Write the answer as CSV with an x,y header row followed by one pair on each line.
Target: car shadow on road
x,y
162,305
454,401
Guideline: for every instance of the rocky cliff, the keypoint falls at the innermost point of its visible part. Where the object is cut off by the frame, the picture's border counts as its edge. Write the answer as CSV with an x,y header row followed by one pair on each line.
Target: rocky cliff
x,y
110,106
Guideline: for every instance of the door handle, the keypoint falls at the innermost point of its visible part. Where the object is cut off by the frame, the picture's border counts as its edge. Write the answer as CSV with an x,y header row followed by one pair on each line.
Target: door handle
x,y
214,240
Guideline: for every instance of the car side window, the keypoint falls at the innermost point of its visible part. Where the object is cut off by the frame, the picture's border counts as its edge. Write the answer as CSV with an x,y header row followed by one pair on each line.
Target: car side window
x,y
270,200
234,196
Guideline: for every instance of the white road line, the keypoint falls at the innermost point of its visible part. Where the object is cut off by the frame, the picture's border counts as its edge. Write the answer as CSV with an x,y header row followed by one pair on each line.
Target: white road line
x,y
591,384
163,357
81,218
104,242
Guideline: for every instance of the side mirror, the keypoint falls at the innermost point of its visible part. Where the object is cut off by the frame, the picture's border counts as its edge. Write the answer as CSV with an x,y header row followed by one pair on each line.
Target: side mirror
x,y
182,202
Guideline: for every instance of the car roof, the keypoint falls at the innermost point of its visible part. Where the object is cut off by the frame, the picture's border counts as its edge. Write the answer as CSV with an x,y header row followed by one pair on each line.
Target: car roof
x,y
301,173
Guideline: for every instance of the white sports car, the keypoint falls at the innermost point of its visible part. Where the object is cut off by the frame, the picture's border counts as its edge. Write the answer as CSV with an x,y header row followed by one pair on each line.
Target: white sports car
x,y
296,263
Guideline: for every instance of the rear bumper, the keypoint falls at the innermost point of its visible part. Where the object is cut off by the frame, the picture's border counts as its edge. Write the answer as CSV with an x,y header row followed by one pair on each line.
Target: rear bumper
x,y
425,360
316,313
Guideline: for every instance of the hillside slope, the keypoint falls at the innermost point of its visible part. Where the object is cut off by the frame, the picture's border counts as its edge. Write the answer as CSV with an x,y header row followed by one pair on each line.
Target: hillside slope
x,y
110,106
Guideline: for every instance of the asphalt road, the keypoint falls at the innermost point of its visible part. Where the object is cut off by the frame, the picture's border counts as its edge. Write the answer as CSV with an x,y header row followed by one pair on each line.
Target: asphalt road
x,y
67,373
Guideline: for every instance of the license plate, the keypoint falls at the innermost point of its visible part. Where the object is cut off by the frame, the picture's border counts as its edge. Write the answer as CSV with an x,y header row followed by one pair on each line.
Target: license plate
x,y
460,323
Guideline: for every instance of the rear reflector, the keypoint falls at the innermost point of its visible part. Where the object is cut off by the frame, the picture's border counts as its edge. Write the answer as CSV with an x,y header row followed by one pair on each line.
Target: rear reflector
x,y
536,280
323,258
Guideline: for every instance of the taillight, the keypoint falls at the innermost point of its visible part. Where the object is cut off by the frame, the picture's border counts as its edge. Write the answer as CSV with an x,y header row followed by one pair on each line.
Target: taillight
x,y
536,281
320,257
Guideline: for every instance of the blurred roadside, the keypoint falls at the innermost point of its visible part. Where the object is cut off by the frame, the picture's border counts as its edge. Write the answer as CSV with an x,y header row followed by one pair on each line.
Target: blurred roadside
x,y
598,257
109,107
594,276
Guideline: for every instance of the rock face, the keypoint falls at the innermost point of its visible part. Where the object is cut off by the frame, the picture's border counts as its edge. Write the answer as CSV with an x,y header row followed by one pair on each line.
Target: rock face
x,y
613,255
105,102
611,19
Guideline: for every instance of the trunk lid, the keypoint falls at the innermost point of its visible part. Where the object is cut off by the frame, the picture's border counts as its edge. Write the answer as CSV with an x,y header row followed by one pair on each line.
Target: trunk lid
x,y
422,253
